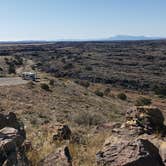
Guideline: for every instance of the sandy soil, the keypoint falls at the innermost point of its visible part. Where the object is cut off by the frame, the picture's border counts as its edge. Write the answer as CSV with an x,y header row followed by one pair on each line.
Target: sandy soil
x,y
12,81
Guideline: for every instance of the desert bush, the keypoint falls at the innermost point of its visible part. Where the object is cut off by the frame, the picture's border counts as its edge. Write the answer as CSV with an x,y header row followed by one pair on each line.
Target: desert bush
x,y
83,83
68,66
18,61
160,90
11,69
88,68
52,82
99,93
141,101
122,96
6,60
45,87
88,119
107,91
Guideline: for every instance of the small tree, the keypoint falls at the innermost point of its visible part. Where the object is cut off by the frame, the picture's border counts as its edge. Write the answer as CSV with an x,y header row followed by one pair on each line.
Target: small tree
x,y
122,96
11,69
45,87
99,93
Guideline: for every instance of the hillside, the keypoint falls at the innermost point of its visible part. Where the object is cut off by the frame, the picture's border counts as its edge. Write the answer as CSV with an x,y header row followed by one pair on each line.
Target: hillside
x,y
85,89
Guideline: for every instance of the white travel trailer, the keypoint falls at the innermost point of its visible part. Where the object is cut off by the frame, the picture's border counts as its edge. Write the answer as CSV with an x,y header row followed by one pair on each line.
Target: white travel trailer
x,y
29,76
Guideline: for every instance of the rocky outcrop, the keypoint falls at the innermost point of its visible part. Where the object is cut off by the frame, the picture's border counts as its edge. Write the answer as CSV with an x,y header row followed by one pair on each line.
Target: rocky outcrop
x,y
61,157
135,143
62,132
10,120
162,149
12,136
145,118
125,153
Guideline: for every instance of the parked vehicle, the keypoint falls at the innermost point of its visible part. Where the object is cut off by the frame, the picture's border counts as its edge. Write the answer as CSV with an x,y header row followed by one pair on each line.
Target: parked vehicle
x,y
29,76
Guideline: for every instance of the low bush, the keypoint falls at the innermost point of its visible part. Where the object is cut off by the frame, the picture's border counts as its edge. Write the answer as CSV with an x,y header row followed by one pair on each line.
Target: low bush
x,y
83,83
11,69
68,66
52,82
122,96
88,68
160,90
141,101
45,87
99,93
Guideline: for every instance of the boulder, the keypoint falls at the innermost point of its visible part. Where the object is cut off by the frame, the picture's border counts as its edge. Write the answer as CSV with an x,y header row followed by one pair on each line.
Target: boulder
x,y
12,136
148,119
61,157
10,120
62,132
162,150
139,152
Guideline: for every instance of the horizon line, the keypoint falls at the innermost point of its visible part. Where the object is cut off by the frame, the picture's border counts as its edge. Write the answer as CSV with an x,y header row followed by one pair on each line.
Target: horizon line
x,y
112,38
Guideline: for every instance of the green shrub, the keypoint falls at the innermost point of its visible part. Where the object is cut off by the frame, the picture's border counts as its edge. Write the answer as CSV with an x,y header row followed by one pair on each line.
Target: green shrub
x,y
122,96
141,101
99,93
88,68
68,66
51,82
11,69
160,90
18,61
45,87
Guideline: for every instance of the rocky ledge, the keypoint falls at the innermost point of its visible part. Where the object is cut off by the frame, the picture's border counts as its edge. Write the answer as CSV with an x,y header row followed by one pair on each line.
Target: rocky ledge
x,y
139,141
12,138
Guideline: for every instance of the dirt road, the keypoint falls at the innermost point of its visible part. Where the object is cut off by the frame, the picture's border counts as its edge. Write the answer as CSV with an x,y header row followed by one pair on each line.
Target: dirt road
x,y
12,81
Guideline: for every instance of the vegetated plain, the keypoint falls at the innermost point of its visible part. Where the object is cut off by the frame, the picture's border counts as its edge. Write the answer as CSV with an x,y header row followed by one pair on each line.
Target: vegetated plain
x,y
82,84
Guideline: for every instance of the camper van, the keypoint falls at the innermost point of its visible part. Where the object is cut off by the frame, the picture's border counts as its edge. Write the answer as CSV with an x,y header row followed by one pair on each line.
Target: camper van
x,y
29,76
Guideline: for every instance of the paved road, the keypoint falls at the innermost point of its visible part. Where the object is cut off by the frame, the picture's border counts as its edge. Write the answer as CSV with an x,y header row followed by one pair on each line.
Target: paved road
x,y
12,81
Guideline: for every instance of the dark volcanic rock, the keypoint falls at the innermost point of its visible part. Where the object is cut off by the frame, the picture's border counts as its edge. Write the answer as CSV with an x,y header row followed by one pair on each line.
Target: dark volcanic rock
x,y
62,132
125,153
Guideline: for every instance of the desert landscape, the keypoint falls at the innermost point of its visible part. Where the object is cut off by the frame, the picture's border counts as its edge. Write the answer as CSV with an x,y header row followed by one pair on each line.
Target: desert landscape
x,y
90,103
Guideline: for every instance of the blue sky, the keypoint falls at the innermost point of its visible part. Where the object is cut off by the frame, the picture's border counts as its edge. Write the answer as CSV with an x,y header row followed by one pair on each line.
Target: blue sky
x,y
80,19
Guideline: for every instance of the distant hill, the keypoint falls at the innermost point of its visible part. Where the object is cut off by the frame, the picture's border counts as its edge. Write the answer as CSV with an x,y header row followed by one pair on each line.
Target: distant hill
x,y
133,38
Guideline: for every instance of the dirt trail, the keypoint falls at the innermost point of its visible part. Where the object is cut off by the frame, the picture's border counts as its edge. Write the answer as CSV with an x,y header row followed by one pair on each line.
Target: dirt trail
x,y
12,81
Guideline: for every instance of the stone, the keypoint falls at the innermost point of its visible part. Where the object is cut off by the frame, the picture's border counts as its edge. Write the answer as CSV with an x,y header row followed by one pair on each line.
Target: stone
x,y
162,150
12,136
61,157
139,152
62,132
10,120
149,119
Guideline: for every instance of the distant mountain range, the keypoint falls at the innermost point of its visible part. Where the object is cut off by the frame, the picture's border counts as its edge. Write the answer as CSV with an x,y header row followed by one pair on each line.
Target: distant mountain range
x,y
132,38
114,38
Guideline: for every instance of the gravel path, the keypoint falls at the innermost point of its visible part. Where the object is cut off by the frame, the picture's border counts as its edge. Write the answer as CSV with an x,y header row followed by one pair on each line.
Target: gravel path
x,y
12,81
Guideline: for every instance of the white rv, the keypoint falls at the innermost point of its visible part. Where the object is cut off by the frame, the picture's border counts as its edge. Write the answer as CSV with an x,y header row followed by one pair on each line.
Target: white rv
x,y
29,76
